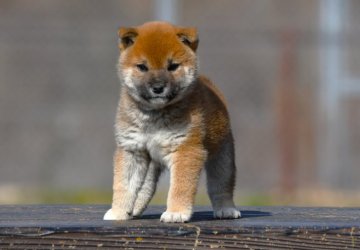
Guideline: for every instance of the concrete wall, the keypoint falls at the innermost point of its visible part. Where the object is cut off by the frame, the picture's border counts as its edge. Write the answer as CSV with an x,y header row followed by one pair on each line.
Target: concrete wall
x,y
59,89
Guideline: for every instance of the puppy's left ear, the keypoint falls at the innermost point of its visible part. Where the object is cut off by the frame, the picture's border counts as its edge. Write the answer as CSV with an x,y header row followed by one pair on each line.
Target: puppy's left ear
x,y
126,37
189,36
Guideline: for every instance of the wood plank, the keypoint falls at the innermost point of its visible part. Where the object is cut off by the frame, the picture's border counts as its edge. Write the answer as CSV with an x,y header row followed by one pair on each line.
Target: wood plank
x,y
76,226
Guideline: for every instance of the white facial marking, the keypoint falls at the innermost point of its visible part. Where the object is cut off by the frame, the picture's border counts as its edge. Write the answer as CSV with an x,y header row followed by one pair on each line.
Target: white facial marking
x,y
189,76
127,76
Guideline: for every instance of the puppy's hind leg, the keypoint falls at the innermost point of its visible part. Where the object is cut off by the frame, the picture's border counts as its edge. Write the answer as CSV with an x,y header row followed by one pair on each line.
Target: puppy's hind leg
x,y
148,188
220,173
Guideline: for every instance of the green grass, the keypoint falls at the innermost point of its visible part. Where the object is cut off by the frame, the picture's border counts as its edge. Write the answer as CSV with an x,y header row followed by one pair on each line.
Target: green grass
x,y
312,197
89,196
202,199
75,197
255,200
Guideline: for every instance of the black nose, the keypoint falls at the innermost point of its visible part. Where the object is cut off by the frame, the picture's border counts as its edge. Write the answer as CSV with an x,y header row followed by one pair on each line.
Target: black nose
x,y
157,89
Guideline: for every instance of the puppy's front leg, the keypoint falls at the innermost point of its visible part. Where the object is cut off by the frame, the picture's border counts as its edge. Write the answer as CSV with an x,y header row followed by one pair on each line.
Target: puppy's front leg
x,y
184,175
147,189
129,173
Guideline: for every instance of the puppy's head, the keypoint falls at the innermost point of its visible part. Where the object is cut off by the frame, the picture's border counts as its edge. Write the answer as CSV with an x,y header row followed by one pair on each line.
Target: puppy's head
x,y
157,63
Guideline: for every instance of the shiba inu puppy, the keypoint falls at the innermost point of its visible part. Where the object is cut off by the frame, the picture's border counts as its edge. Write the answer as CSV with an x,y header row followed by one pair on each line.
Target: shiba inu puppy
x,y
169,117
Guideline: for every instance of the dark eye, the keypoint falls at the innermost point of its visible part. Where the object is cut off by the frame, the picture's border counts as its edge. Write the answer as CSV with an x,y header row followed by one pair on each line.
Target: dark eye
x,y
142,67
173,66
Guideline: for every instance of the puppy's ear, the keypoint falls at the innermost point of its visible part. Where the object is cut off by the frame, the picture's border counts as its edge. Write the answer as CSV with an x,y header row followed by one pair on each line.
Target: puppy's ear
x,y
189,36
126,37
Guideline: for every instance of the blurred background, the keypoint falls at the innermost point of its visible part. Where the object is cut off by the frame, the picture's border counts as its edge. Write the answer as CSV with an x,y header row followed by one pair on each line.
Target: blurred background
x,y
290,71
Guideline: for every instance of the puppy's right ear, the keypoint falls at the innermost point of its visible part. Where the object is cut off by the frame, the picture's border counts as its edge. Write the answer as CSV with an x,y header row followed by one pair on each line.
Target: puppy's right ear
x,y
189,37
126,37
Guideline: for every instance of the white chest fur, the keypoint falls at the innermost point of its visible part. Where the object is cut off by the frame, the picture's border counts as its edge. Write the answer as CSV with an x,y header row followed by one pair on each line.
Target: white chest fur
x,y
158,141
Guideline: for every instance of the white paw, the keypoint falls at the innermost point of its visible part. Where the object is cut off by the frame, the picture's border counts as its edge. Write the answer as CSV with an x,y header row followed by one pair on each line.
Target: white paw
x,y
112,215
175,217
227,213
138,212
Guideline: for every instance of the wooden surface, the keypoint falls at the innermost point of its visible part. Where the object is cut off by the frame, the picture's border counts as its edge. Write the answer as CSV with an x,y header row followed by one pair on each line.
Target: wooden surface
x,y
73,227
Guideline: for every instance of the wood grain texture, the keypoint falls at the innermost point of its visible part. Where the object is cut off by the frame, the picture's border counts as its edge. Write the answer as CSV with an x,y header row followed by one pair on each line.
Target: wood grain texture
x,y
76,227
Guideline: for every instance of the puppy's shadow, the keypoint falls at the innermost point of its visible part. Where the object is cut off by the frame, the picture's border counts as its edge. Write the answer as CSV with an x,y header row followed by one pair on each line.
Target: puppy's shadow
x,y
148,216
254,213
208,215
